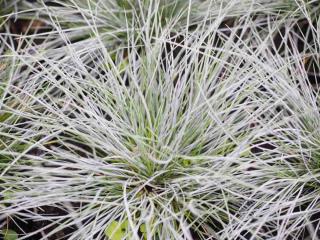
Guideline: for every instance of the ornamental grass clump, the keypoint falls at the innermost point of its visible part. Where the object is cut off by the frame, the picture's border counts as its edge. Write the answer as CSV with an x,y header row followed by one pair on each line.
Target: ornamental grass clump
x,y
161,120
85,23
149,145
297,141
292,156
289,149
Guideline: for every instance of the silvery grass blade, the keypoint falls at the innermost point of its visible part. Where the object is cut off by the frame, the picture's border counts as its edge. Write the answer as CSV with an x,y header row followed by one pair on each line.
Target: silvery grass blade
x,y
149,145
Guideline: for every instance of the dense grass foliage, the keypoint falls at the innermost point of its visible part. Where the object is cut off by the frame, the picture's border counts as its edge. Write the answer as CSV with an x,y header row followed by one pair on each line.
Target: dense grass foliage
x,y
156,119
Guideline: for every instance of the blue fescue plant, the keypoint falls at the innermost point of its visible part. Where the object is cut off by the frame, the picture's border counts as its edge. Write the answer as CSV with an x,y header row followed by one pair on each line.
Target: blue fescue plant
x,y
150,145
87,22
290,149
147,120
